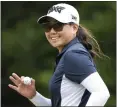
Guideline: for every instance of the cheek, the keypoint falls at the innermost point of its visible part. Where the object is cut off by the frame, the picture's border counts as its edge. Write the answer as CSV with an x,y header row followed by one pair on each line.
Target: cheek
x,y
46,34
67,32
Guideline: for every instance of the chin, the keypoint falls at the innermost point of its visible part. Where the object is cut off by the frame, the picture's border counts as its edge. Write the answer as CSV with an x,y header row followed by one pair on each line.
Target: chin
x,y
55,45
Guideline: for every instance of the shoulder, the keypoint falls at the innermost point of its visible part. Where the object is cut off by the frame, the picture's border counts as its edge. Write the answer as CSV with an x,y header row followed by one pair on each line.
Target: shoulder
x,y
77,49
78,55
78,65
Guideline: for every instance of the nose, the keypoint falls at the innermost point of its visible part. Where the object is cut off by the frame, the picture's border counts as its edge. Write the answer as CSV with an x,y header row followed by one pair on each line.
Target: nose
x,y
52,31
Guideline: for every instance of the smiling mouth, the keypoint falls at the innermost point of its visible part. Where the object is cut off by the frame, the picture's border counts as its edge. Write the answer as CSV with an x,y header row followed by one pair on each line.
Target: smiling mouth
x,y
54,38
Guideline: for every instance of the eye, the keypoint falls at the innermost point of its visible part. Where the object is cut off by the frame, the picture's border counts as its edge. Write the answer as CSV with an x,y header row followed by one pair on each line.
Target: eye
x,y
58,26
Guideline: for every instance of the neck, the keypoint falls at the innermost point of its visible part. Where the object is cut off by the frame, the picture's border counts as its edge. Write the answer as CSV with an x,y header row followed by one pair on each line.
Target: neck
x,y
60,49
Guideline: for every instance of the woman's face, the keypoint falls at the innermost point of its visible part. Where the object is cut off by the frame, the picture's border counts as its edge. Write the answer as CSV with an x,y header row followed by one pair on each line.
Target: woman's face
x,y
59,38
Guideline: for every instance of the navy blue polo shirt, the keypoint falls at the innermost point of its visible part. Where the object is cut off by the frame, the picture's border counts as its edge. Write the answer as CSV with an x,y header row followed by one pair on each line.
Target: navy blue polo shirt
x,y
73,65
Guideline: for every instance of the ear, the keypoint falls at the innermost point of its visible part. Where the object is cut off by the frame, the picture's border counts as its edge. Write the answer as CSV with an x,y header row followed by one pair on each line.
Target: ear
x,y
75,28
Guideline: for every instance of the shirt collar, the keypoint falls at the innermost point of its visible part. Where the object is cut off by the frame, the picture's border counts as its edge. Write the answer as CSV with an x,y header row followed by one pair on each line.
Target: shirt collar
x,y
72,42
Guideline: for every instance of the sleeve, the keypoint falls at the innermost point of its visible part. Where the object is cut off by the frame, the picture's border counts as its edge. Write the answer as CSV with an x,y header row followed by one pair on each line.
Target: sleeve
x,y
39,100
77,66
99,92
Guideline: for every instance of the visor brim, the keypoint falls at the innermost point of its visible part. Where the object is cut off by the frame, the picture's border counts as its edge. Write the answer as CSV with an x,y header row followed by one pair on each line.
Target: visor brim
x,y
44,19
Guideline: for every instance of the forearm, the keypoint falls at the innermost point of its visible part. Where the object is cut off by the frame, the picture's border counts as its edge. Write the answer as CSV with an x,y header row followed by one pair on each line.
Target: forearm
x,y
40,100
98,98
99,91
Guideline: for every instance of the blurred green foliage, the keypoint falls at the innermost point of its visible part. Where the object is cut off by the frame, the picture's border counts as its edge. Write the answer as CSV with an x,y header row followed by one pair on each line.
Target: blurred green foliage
x,y
26,51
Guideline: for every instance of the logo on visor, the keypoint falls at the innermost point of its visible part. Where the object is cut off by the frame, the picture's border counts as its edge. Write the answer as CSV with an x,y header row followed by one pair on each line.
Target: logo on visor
x,y
56,9
74,17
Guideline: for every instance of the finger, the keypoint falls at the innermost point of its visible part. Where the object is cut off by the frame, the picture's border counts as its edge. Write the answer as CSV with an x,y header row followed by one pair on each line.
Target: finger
x,y
16,76
13,87
32,81
22,78
16,82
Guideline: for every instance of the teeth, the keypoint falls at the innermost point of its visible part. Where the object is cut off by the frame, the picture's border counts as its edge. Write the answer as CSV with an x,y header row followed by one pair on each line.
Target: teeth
x,y
54,38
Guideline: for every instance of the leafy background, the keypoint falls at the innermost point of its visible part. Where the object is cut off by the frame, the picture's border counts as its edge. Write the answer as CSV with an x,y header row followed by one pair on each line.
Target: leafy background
x,y
26,51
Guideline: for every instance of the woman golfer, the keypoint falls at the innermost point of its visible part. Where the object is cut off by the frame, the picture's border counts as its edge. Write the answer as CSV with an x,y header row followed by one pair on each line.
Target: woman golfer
x,y
75,81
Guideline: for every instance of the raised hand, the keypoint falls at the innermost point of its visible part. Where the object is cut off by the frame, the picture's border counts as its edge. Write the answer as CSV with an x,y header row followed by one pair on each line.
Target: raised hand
x,y
28,91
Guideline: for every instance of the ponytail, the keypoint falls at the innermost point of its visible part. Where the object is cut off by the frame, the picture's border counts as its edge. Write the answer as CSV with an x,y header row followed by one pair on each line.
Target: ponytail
x,y
89,42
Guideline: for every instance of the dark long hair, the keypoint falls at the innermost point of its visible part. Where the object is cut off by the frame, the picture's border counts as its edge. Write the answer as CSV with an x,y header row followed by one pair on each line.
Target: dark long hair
x,y
89,42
